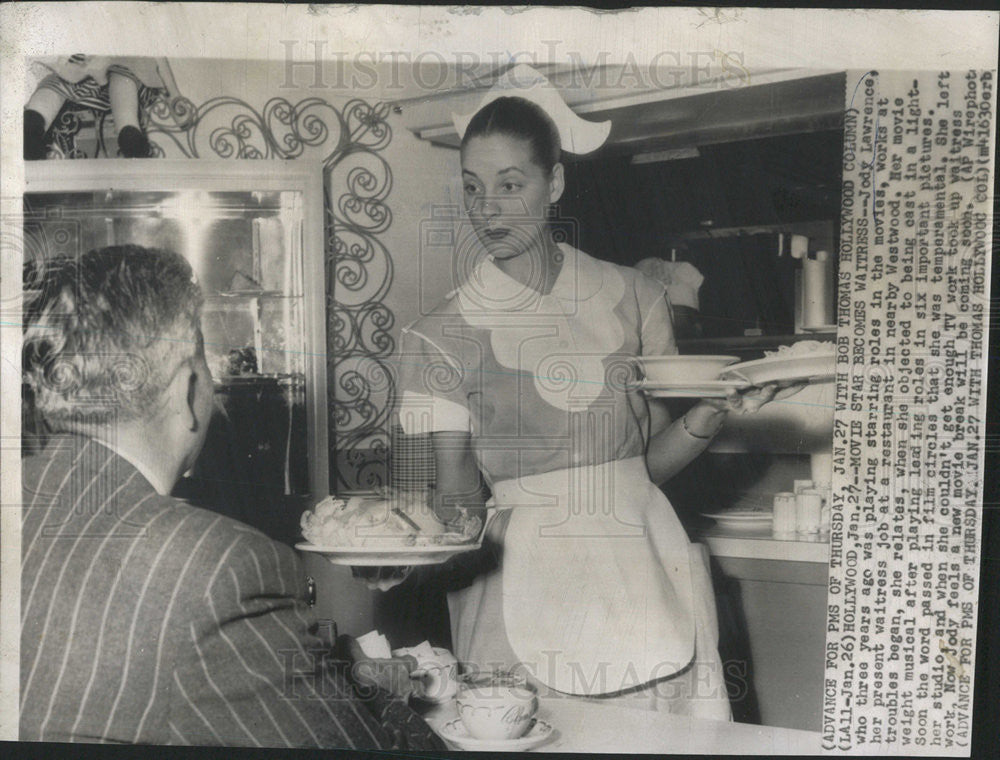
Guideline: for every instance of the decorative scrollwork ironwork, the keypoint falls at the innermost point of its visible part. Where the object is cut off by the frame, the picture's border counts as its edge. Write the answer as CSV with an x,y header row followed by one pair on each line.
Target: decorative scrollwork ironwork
x,y
227,127
359,274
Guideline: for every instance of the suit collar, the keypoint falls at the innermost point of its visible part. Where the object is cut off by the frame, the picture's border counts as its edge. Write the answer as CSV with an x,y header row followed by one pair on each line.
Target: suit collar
x,y
93,454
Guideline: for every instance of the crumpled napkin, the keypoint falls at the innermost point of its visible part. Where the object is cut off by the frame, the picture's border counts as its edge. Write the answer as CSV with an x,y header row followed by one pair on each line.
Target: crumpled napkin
x,y
375,645
422,652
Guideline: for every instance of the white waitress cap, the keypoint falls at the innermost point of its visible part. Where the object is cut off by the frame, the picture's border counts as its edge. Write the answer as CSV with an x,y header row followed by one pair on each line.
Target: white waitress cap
x,y
576,135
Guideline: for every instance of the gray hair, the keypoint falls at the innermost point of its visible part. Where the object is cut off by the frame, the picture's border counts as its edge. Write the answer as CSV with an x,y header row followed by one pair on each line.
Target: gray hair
x,y
105,333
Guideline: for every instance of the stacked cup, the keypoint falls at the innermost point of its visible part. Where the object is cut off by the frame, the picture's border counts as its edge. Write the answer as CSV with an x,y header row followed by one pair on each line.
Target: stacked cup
x,y
783,525
808,511
803,514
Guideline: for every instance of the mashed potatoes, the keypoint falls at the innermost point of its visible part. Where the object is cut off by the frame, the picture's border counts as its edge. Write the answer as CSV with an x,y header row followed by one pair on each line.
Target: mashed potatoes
x,y
393,519
803,348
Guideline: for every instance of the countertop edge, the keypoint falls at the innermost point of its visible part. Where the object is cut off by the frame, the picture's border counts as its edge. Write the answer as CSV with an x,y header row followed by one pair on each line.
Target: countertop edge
x,y
765,548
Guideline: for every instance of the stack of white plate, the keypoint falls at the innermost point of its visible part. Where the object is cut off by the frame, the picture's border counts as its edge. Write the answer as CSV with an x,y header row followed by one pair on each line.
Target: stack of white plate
x,y
676,376
716,376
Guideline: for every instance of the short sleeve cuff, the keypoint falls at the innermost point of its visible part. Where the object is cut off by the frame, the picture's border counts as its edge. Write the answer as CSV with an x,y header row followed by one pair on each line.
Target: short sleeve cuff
x,y
423,413
657,330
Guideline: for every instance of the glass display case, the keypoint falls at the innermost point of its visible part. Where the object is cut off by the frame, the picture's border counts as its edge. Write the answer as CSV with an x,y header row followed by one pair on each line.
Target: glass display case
x,y
252,232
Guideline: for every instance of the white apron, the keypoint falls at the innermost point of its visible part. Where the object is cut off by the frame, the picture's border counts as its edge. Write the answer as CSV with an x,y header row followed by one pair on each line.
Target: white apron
x,y
601,592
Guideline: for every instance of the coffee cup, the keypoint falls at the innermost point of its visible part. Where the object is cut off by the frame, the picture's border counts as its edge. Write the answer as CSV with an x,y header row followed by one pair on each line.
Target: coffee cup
x,y
496,708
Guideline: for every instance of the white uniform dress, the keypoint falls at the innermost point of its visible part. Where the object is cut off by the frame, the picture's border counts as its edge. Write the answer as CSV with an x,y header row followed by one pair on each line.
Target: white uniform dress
x,y
598,591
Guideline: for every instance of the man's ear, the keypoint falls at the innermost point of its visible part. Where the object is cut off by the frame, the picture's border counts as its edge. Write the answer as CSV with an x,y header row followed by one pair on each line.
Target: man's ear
x,y
557,183
181,397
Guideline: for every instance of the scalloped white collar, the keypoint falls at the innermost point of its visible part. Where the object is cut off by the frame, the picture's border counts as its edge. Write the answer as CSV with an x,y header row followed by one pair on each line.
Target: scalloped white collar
x,y
490,289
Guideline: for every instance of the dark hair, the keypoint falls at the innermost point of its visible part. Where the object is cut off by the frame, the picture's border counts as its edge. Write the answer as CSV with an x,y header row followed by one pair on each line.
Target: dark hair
x,y
105,332
520,118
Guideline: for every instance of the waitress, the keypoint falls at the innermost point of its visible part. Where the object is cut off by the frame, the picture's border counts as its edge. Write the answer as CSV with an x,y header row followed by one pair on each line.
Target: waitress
x,y
520,375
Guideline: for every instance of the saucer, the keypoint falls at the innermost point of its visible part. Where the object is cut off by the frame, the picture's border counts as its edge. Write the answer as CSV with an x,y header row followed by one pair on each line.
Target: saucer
x,y
707,389
743,520
454,732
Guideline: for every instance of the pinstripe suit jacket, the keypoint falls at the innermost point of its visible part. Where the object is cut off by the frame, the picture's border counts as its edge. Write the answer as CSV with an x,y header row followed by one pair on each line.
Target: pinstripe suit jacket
x,y
147,620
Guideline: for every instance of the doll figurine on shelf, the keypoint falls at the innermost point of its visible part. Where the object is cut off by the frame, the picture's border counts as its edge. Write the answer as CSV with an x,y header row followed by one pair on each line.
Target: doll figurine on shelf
x,y
101,83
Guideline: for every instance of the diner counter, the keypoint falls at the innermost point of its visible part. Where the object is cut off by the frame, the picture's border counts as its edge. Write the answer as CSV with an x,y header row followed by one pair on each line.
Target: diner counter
x,y
762,546
588,726
782,590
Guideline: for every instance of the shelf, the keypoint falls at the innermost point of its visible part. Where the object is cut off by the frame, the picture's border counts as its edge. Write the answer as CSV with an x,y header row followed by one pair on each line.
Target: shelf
x,y
746,343
649,117
815,229
227,381
263,295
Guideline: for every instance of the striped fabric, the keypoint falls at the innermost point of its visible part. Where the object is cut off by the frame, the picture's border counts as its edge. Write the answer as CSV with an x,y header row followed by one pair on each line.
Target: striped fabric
x,y
91,94
147,620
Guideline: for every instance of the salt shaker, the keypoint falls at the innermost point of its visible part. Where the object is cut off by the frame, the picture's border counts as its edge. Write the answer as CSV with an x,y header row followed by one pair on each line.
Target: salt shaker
x,y
783,524
808,511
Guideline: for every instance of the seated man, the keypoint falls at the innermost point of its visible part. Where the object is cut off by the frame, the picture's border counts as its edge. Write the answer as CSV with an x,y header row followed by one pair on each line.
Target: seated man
x,y
144,619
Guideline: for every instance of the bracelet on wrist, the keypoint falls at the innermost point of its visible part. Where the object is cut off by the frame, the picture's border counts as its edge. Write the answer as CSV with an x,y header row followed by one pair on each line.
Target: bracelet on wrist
x,y
690,432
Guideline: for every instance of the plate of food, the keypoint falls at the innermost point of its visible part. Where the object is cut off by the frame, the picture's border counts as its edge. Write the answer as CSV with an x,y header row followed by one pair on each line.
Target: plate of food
x,y
806,360
385,529
742,520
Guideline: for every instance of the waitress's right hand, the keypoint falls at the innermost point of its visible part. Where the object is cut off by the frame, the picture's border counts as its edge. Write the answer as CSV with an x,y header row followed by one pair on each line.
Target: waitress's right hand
x,y
381,578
